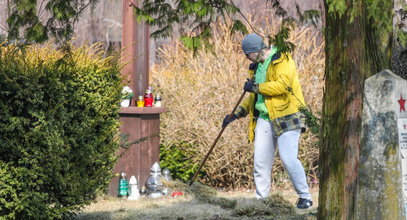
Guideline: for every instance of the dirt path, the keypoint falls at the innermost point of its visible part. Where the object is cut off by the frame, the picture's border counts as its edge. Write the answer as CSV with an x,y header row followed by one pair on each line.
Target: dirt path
x,y
187,207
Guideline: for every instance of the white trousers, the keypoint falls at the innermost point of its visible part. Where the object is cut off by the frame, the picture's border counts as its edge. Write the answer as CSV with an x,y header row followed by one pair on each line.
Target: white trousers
x,y
265,145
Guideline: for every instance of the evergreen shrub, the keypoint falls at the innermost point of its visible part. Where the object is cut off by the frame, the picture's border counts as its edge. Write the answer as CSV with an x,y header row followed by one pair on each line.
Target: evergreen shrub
x,y
58,129
176,158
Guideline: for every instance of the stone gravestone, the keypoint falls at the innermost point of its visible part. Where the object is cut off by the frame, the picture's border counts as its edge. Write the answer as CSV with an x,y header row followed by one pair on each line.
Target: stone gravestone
x,y
381,189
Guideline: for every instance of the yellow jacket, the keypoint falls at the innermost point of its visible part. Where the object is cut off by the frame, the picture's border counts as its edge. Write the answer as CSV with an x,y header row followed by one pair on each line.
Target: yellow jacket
x,y
282,91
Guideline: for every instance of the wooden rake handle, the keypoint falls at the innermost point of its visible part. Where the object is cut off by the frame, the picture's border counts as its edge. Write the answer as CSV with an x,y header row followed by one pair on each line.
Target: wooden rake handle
x,y
216,141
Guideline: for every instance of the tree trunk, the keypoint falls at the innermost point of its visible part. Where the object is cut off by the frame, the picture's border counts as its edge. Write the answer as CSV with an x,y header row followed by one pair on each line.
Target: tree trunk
x,y
355,50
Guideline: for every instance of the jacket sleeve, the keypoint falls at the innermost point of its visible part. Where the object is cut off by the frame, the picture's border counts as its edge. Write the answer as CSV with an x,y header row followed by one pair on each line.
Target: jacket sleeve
x,y
246,106
284,74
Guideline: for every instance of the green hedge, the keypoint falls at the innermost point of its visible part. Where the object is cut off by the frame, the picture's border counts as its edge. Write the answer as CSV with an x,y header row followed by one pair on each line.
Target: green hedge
x,y
58,129
177,160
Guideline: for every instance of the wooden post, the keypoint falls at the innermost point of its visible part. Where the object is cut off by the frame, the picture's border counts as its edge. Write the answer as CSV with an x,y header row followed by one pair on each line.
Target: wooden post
x,y
141,125
135,54
138,124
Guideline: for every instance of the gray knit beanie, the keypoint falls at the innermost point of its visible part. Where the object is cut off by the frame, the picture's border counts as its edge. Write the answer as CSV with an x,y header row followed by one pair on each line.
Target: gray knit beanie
x,y
252,43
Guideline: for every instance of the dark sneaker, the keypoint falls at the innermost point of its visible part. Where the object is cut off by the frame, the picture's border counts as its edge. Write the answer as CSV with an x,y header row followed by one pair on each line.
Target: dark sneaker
x,y
304,203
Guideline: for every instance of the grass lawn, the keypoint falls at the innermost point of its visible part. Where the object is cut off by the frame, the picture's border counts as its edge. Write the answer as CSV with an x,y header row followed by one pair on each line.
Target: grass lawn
x,y
191,207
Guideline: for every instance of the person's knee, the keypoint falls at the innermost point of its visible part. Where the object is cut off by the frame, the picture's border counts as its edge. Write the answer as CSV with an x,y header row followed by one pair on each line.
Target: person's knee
x,y
290,163
288,158
261,166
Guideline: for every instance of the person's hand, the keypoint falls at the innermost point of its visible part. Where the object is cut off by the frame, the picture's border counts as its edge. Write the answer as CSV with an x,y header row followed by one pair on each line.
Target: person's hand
x,y
253,66
228,119
251,86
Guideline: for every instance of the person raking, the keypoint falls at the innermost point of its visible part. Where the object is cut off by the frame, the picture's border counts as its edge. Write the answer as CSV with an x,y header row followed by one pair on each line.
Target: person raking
x,y
275,120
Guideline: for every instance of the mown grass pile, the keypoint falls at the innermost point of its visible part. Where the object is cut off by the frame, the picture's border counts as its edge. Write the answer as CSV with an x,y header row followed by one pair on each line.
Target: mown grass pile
x,y
200,192
272,206
200,90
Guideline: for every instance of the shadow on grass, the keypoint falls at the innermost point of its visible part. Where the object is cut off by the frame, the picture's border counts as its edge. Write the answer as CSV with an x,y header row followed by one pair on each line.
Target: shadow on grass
x,y
94,216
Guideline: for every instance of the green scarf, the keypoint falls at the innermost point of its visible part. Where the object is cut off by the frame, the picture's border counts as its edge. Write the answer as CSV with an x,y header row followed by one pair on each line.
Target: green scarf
x,y
261,74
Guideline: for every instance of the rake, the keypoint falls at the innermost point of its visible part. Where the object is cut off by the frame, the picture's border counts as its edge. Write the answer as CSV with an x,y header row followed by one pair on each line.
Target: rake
x,y
216,141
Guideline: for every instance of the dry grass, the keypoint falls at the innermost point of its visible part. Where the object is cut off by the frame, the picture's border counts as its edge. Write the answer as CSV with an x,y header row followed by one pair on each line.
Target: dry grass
x,y
188,207
199,91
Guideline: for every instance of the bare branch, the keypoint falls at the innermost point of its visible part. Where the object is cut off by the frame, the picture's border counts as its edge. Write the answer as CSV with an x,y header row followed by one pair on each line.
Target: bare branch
x,y
244,17
41,10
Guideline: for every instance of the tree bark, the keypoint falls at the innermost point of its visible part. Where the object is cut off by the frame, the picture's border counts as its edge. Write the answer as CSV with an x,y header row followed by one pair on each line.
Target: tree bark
x,y
355,50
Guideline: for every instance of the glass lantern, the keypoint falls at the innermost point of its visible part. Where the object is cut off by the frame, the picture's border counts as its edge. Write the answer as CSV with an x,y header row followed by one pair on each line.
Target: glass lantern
x,y
153,183
167,174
